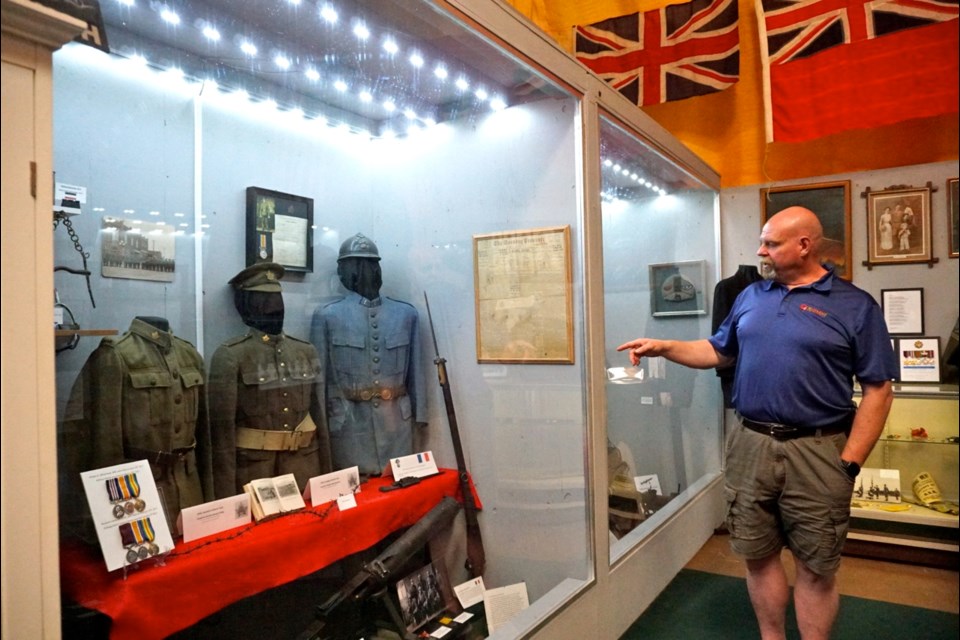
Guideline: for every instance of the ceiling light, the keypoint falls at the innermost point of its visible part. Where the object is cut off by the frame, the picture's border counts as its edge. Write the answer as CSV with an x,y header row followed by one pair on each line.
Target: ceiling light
x,y
170,17
416,60
440,72
340,85
410,114
282,61
328,13
248,48
390,46
389,105
312,74
360,30
481,94
211,33
462,84
497,104
365,96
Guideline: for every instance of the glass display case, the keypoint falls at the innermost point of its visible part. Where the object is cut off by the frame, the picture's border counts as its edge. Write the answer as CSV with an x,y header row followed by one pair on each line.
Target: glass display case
x,y
907,509
211,136
659,270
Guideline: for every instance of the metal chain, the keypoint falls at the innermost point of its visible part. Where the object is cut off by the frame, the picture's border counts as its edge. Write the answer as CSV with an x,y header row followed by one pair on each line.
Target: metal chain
x,y
58,217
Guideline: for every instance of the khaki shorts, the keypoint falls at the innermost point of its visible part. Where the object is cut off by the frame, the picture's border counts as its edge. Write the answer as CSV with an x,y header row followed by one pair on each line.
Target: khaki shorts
x,y
787,493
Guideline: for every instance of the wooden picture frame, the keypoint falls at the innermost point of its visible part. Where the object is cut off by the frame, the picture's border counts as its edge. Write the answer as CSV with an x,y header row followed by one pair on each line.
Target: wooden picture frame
x,y
678,289
953,217
830,201
903,311
899,226
279,229
524,298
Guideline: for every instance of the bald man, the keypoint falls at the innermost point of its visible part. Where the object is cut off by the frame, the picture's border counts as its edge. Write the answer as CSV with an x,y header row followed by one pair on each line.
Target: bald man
x,y
798,337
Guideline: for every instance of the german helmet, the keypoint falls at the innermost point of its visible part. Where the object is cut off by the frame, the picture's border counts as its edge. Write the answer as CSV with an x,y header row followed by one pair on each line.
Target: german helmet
x,y
359,246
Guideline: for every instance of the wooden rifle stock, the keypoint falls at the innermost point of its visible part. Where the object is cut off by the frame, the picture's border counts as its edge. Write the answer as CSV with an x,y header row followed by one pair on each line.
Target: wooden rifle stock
x,y
476,557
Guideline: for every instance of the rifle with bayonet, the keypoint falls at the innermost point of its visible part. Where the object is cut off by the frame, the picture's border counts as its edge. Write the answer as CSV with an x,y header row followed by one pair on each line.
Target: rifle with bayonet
x,y
476,558
374,578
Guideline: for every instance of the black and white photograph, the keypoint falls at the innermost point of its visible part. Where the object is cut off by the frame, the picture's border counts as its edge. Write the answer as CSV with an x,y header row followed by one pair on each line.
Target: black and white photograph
x,y
422,595
137,250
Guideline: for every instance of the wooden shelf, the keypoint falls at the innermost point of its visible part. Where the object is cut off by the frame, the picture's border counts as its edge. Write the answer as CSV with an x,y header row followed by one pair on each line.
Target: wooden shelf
x,y
84,332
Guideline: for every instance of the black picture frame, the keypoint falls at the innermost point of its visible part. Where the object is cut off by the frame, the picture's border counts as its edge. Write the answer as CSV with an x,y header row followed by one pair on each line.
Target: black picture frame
x,y
919,359
279,229
903,311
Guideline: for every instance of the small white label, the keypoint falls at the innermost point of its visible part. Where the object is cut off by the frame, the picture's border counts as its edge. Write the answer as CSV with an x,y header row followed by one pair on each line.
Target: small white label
x,y
348,501
646,399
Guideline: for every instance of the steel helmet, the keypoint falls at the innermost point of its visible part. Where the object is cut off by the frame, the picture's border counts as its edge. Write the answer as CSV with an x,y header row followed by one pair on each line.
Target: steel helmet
x,y
359,246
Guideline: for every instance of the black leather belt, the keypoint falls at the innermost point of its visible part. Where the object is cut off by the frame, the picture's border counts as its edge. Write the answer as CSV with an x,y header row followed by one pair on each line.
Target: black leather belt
x,y
161,458
789,432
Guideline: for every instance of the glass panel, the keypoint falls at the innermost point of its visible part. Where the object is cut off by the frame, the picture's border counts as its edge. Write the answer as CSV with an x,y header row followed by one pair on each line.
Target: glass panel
x,y
660,261
393,121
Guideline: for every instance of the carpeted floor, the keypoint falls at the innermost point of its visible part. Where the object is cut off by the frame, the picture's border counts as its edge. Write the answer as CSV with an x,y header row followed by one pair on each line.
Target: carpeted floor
x,y
706,606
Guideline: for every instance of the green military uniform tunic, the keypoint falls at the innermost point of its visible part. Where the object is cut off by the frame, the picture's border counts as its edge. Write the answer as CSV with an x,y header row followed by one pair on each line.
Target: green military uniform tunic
x,y
266,383
141,396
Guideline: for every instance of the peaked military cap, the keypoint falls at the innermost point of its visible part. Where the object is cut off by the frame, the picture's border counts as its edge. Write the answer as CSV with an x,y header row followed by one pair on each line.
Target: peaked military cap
x,y
263,276
359,246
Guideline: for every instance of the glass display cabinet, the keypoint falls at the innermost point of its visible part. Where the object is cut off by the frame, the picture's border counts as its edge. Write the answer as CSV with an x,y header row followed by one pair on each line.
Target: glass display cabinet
x,y
544,217
905,504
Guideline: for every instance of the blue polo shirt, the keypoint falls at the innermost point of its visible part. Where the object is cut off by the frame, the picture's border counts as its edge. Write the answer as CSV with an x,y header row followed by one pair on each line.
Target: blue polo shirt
x,y
798,350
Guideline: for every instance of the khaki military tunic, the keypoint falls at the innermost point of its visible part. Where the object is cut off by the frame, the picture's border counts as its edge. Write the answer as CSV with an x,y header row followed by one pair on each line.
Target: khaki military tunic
x,y
141,396
265,396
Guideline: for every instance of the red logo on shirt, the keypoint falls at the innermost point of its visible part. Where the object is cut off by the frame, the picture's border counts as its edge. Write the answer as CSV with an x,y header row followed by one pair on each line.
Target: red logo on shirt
x,y
819,312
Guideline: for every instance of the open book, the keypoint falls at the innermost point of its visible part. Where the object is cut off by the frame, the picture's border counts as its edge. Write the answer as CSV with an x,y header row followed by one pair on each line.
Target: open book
x,y
273,496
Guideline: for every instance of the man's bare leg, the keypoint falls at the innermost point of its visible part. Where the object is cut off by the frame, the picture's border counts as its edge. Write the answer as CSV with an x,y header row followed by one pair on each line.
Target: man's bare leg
x,y
817,601
769,594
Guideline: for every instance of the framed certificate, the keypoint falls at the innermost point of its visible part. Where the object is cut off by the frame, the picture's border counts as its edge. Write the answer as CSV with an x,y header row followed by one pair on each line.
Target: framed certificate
x,y
903,311
919,359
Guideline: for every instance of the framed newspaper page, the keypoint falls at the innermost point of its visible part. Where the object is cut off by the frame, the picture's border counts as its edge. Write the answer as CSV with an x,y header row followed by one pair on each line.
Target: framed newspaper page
x,y
524,300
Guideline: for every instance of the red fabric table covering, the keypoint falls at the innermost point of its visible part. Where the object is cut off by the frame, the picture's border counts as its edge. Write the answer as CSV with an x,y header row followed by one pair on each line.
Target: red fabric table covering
x,y
201,577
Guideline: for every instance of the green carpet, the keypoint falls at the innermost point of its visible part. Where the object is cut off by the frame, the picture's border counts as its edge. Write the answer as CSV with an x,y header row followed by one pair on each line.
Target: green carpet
x,y
703,606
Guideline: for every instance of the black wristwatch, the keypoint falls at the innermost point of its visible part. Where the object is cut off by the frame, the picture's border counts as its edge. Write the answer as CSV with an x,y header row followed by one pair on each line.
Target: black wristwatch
x,y
852,468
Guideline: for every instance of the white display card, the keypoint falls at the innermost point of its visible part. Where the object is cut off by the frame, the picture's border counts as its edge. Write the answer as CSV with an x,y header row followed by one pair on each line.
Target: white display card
x,y
215,517
330,486
127,512
418,465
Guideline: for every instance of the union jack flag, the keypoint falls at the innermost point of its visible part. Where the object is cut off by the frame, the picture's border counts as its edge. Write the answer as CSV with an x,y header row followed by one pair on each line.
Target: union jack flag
x,y
800,28
666,54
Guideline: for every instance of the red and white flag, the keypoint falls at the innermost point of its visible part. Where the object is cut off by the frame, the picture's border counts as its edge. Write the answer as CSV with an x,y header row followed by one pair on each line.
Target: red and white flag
x,y
675,52
835,65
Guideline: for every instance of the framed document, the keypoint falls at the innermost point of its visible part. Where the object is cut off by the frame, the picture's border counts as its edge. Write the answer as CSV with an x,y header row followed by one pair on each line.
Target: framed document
x,y
524,301
903,311
919,359
279,229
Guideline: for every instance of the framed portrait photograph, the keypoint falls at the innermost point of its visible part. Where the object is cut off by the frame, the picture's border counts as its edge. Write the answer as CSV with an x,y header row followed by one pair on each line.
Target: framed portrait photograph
x,y
279,229
919,359
524,298
898,226
830,201
953,211
903,311
677,288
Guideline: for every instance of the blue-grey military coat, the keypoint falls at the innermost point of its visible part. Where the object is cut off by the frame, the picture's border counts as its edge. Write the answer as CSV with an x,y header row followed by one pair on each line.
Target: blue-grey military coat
x,y
375,383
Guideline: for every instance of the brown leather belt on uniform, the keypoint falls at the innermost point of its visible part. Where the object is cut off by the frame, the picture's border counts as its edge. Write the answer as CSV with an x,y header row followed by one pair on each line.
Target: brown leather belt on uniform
x,y
789,432
366,395
161,458
273,440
